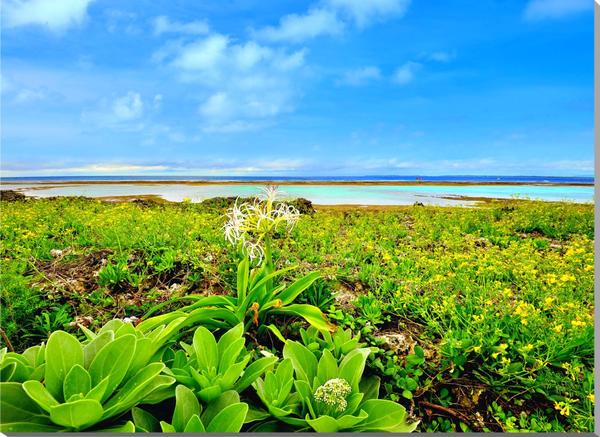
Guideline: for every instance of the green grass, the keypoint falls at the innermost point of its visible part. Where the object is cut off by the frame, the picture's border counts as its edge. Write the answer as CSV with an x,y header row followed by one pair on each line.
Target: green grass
x,y
494,303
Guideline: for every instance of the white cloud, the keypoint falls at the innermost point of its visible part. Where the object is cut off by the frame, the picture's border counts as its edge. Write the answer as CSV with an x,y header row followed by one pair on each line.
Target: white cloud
x,y
28,96
163,24
406,73
56,15
331,17
297,28
364,12
548,9
361,76
242,83
440,56
128,107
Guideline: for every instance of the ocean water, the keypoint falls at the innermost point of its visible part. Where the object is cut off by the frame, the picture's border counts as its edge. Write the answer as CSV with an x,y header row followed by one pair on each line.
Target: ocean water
x,y
318,194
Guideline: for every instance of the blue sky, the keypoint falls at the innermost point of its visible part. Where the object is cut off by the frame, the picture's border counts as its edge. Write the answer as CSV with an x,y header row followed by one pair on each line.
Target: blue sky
x,y
321,87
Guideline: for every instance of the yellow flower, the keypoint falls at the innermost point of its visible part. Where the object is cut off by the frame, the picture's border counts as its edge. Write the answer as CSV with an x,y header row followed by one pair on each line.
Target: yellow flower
x,y
591,398
577,323
567,277
588,268
527,348
557,328
478,318
477,349
548,302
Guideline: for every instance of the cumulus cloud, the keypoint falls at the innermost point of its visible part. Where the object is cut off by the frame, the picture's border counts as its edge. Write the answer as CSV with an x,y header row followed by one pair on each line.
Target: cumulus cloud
x,y
243,83
361,76
406,73
28,96
331,17
297,28
163,24
128,107
440,56
56,15
549,9
365,12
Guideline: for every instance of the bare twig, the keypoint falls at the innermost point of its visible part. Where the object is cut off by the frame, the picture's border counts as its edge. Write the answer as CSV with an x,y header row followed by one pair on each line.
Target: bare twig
x,y
6,340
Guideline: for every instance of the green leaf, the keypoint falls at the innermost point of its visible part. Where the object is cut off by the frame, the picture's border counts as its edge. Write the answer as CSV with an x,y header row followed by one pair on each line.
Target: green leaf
x,y
327,368
230,419
323,424
17,407
347,422
167,427
134,391
144,421
310,313
253,371
242,279
93,347
77,415
227,398
63,351
230,355
385,416
205,348
303,360
353,366
255,415
194,425
186,406
288,295
128,427
77,381
112,361
27,427
369,387
40,395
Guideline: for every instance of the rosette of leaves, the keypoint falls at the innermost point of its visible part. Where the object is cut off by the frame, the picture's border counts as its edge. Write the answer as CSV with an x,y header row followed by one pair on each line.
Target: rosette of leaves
x,y
256,300
212,367
16,367
91,384
224,414
340,343
328,396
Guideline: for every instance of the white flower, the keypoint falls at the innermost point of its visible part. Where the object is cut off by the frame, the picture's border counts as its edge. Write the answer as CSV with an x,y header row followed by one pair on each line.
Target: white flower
x,y
251,223
333,394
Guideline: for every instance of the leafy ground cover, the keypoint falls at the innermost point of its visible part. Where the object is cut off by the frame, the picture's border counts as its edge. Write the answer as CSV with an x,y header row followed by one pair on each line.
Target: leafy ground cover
x,y
477,318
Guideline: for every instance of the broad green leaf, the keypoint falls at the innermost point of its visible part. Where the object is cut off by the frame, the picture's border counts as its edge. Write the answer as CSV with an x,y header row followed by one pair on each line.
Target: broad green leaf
x,y
144,421
167,427
194,425
227,398
133,391
205,348
310,313
77,381
327,368
369,387
353,366
112,361
347,422
231,354
40,395
17,407
186,406
303,360
93,347
127,427
288,295
253,371
385,416
27,427
77,415
97,392
255,415
63,351
230,419
323,424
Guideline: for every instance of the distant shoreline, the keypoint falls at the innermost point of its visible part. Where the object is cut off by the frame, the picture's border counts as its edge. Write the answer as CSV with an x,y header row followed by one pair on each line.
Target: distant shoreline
x,y
49,183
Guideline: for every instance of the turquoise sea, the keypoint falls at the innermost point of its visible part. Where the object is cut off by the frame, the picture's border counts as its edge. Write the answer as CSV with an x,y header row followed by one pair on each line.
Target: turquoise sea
x,y
318,194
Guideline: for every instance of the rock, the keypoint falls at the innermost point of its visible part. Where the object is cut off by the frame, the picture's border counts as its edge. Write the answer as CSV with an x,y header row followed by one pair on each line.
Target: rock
x,y
11,196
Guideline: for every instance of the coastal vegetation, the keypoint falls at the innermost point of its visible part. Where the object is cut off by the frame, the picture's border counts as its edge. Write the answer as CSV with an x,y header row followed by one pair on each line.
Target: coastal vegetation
x,y
267,316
